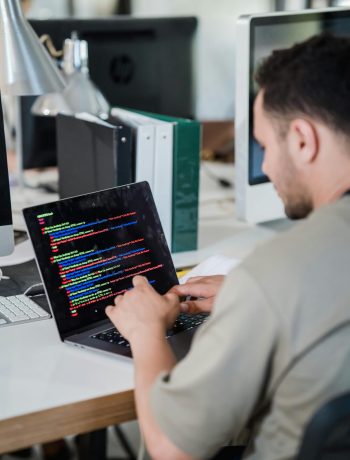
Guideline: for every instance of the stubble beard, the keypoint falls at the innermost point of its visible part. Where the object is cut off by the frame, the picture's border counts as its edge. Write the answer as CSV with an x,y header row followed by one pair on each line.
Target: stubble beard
x,y
298,205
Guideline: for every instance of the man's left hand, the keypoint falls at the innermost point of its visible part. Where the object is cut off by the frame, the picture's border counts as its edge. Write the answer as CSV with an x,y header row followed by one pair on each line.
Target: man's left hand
x,y
143,311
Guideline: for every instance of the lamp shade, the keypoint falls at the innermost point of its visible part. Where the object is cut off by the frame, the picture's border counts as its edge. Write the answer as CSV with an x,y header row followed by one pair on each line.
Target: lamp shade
x,y
84,96
50,105
26,68
80,94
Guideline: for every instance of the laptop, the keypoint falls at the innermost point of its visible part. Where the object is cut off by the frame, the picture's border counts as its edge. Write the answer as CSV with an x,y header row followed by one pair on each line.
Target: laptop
x,y
88,248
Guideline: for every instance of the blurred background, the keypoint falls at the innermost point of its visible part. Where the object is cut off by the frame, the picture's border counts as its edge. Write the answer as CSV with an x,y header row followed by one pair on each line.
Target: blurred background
x,y
215,39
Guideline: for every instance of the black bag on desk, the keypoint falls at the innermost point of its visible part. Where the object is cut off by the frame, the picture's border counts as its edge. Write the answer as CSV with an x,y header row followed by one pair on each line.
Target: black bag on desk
x,y
92,155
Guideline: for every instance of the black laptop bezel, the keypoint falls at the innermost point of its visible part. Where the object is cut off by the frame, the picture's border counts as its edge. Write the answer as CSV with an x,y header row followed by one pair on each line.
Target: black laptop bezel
x,y
30,212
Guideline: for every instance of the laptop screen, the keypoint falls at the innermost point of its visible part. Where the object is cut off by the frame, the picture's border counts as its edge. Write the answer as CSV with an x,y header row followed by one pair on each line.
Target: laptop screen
x,y
89,247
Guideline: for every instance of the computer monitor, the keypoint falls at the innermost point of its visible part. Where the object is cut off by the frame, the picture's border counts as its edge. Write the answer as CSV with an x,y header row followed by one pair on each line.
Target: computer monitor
x,y
141,63
6,229
257,36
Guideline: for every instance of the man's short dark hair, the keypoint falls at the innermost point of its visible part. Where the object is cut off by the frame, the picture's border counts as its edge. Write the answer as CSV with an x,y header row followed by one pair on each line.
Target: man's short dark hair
x,y
311,78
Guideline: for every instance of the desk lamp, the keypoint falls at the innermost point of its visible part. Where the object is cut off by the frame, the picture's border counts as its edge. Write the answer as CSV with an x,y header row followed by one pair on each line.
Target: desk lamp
x,y
80,94
26,68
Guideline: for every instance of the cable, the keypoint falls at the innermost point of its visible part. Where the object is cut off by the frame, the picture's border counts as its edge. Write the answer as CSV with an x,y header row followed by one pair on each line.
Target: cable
x,y
225,183
124,442
32,287
46,40
142,449
3,277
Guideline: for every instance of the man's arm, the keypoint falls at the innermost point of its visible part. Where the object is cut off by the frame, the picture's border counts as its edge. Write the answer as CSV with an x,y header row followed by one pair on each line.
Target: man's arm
x,y
205,403
142,316
152,356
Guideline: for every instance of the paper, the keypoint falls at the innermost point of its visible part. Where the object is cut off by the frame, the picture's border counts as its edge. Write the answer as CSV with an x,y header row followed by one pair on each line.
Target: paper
x,y
214,265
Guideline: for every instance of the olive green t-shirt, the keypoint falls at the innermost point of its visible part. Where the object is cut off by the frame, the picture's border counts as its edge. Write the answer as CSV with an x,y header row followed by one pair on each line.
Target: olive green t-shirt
x,y
276,346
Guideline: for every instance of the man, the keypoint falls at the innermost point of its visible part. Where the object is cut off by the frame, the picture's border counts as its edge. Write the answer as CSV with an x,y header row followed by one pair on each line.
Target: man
x,y
276,346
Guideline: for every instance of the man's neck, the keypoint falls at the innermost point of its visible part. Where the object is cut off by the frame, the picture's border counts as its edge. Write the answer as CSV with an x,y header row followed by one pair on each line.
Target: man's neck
x,y
329,192
329,176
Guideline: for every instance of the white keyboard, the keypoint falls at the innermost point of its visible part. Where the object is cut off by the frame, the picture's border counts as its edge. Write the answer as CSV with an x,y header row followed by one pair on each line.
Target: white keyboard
x,y
18,309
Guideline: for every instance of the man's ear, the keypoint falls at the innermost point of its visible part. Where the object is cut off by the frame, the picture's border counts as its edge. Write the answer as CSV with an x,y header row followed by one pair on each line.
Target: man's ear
x,y
303,141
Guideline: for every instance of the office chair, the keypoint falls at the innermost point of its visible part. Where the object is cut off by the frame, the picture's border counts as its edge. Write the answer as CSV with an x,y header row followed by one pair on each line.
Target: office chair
x,y
327,435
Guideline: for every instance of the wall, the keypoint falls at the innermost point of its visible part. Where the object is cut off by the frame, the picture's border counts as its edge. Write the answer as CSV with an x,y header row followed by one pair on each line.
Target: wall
x,y
83,8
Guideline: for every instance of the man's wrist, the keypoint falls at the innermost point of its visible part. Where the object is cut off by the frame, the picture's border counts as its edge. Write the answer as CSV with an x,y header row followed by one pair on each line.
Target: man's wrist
x,y
147,334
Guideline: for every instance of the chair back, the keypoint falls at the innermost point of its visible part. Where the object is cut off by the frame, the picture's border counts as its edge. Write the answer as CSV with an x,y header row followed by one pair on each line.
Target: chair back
x,y
327,435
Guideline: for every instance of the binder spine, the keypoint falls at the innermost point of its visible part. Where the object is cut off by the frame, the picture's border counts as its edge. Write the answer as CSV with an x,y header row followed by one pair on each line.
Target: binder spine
x,y
186,164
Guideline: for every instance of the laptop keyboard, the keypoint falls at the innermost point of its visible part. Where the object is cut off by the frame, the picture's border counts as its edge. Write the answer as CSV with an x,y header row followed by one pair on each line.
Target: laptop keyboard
x,y
19,309
183,323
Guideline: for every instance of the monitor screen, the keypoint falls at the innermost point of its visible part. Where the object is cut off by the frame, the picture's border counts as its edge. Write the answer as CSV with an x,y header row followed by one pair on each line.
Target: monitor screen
x,y
257,37
6,231
269,33
140,63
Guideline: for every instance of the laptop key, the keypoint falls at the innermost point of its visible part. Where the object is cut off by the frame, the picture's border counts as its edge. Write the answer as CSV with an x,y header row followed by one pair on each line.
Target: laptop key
x,y
184,322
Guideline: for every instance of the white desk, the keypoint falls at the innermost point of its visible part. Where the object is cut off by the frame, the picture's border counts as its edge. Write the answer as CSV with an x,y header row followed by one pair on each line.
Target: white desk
x,y
49,390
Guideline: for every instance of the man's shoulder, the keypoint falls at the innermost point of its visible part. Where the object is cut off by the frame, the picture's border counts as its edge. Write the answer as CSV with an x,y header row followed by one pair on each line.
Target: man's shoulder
x,y
302,267
303,274
325,230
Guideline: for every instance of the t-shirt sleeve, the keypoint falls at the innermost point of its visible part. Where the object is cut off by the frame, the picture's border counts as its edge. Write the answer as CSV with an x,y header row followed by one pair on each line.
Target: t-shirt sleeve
x,y
209,396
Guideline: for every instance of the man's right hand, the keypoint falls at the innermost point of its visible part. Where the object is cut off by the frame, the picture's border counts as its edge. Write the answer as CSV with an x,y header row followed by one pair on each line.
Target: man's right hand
x,y
201,292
